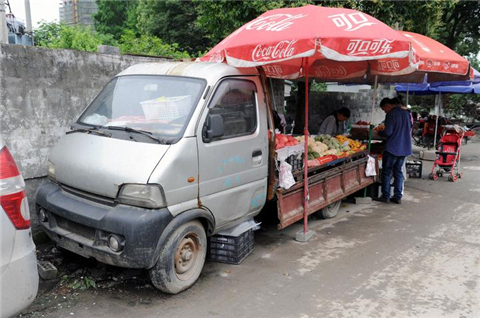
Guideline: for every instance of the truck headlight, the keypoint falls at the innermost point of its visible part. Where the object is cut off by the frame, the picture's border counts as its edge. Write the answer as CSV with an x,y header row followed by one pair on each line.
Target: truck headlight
x,y
142,195
51,171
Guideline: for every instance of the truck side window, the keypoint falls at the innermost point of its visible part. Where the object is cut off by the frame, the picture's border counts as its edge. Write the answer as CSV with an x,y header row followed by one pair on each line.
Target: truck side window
x,y
235,101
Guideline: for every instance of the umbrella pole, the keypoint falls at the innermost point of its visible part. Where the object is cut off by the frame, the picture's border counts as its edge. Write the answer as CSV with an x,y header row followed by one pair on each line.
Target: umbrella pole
x,y
407,95
305,168
437,113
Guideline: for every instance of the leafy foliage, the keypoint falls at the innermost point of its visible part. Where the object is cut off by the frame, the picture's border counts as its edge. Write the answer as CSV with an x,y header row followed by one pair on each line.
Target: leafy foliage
x,y
114,17
173,22
149,45
176,27
62,36
220,18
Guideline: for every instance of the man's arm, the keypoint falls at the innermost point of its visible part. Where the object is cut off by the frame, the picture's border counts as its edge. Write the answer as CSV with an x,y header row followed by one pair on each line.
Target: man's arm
x,y
389,124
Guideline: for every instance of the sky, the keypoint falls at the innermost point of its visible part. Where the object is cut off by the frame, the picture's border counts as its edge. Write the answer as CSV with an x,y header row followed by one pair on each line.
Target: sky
x,y
41,10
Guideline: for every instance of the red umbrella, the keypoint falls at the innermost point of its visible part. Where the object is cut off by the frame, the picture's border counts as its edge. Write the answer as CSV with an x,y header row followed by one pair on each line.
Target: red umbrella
x,y
340,44
333,44
434,59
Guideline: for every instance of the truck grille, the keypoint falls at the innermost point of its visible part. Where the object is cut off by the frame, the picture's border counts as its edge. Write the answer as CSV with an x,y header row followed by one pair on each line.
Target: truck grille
x,y
89,196
76,228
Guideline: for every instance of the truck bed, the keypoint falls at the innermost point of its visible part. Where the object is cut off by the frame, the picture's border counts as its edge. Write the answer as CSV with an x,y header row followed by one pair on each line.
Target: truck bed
x,y
326,185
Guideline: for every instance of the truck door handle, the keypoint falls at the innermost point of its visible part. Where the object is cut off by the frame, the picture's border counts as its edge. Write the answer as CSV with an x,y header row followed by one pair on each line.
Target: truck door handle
x,y
256,153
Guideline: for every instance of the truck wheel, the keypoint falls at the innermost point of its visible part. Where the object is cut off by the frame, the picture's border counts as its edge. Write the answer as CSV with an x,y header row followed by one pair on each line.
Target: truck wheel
x,y
181,259
330,211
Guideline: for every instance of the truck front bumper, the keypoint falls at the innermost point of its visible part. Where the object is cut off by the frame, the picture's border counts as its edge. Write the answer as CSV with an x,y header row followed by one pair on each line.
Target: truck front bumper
x,y
84,227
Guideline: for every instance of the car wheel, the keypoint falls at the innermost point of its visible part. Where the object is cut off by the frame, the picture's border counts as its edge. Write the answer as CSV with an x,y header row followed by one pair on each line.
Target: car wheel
x,y
330,211
181,260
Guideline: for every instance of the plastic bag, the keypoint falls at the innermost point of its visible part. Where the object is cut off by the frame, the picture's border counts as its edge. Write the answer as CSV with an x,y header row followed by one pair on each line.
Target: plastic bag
x,y
286,176
370,171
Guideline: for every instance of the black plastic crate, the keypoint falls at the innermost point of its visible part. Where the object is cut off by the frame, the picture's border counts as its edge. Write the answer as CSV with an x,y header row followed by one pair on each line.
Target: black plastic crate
x,y
230,249
414,168
295,162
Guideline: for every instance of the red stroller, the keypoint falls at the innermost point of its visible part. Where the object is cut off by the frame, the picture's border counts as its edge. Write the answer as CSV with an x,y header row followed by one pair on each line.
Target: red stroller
x,y
448,156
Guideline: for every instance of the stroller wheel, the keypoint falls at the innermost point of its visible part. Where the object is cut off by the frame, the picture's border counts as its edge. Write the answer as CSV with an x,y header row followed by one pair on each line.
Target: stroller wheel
x,y
440,174
460,175
432,176
452,178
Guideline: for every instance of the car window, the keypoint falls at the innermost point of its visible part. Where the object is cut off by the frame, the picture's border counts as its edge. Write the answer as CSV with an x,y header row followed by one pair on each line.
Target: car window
x,y
235,100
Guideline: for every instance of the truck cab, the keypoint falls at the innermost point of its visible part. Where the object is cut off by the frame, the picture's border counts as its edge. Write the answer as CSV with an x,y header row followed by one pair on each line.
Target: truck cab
x,y
166,155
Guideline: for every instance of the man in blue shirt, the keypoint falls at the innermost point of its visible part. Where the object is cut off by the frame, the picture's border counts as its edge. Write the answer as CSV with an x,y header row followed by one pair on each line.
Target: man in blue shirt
x,y
398,131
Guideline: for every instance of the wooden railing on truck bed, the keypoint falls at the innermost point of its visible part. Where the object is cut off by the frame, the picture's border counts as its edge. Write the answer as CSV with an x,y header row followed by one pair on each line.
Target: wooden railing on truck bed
x,y
324,188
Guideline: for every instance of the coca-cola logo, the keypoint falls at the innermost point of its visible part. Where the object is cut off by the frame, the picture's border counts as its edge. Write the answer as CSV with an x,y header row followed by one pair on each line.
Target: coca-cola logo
x,y
351,22
392,65
279,51
330,72
369,47
216,57
273,70
276,22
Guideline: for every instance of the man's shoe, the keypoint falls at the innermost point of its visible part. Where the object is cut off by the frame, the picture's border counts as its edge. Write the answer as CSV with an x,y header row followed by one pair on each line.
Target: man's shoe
x,y
397,201
381,199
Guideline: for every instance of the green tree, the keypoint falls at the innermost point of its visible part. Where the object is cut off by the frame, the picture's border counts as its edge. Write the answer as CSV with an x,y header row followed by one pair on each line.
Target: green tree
x,y
461,24
149,45
220,18
114,17
172,21
61,36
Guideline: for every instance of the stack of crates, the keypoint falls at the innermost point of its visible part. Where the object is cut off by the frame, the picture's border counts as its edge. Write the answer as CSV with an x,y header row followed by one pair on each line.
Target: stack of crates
x,y
295,161
414,168
230,249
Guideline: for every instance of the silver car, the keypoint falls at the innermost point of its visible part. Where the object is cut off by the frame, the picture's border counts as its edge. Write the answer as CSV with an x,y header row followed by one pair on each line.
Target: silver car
x,y
18,274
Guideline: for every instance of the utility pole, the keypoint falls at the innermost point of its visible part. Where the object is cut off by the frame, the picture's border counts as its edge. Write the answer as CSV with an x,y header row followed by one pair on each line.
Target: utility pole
x,y
28,16
3,24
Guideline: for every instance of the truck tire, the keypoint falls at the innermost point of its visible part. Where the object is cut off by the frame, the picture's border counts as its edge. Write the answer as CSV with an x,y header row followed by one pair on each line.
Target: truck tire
x,y
330,211
181,260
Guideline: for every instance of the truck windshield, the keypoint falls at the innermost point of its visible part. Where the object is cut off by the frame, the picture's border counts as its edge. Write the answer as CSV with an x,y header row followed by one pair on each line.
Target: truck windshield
x,y
160,105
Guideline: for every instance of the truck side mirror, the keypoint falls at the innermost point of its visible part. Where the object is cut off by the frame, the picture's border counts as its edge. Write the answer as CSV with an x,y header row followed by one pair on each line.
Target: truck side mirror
x,y
214,127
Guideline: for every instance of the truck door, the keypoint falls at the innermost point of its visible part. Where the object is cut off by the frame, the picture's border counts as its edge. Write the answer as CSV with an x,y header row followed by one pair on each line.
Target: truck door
x,y
233,167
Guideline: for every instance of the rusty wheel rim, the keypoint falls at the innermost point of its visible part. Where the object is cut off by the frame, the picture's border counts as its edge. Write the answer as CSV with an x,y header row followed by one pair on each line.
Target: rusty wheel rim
x,y
186,256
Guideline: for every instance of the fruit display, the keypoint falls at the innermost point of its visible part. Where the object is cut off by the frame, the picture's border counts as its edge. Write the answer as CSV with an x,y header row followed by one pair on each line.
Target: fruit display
x,y
354,145
325,145
380,127
334,143
282,141
323,148
362,123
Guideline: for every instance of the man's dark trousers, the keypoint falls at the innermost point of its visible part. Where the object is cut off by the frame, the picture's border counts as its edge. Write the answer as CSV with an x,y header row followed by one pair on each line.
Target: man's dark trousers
x,y
392,164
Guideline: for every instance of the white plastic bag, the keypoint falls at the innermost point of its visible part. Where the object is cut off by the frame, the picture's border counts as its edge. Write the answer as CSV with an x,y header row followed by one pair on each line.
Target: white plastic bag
x,y
370,171
286,176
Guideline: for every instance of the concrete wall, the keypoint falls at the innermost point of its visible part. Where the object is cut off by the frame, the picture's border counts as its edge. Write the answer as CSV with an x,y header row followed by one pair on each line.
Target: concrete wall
x,y
41,94
322,104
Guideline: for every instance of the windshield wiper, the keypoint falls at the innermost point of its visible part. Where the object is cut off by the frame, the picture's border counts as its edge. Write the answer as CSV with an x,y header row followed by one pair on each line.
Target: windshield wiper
x,y
92,130
138,131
